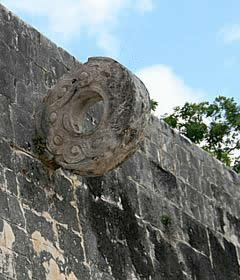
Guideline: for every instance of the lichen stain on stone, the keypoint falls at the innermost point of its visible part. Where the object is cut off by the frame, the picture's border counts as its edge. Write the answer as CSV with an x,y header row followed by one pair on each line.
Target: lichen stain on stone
x,y
7,238
71,276
75,180
40,244
53,272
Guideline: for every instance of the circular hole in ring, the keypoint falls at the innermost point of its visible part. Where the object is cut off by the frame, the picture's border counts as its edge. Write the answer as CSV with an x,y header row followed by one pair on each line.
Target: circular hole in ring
x,y
87,112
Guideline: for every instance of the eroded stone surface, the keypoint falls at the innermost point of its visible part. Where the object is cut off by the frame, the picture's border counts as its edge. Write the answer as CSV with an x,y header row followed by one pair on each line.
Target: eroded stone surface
x,y
94,117
170,212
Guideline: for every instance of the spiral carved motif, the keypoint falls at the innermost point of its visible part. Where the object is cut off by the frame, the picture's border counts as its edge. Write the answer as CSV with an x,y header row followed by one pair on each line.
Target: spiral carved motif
x,y
94,117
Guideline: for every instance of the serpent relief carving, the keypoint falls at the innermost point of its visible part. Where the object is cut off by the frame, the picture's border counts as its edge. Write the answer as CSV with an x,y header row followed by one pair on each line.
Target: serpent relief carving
x,y
94,117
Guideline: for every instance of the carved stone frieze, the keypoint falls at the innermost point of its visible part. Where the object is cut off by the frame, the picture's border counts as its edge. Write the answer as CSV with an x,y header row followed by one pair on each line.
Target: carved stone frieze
x,y
94,117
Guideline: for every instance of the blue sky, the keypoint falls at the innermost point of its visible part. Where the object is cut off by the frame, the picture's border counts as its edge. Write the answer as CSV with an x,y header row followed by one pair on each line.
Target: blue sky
x,y
184,50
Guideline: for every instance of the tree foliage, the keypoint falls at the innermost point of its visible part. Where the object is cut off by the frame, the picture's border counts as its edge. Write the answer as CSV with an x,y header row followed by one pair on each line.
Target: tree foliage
x,y
153,104
214,126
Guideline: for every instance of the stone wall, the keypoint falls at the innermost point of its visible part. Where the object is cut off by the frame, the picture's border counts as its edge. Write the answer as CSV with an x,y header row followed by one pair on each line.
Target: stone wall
x,y
171,212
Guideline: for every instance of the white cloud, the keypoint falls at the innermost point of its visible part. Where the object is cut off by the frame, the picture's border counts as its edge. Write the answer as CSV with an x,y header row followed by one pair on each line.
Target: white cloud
x,y
167,88
230,33
71,18
109,43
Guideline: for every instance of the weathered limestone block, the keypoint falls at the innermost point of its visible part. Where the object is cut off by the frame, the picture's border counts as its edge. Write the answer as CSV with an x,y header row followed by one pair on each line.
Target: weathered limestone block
x,y
170,212
94,118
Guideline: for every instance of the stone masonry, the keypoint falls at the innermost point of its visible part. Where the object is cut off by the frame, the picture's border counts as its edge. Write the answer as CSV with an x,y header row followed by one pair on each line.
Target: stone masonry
x,y
170,212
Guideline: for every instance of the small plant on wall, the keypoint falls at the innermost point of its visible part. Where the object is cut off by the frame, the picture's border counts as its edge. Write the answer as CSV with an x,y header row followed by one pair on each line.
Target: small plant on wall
x,y
39,145
166,220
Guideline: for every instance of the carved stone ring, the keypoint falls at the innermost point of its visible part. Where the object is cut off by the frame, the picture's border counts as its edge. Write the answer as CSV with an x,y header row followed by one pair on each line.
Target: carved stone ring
x,y
94,118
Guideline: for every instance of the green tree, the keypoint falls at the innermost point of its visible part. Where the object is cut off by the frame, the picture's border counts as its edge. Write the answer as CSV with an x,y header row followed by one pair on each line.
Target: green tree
x,y
153,104
214,126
